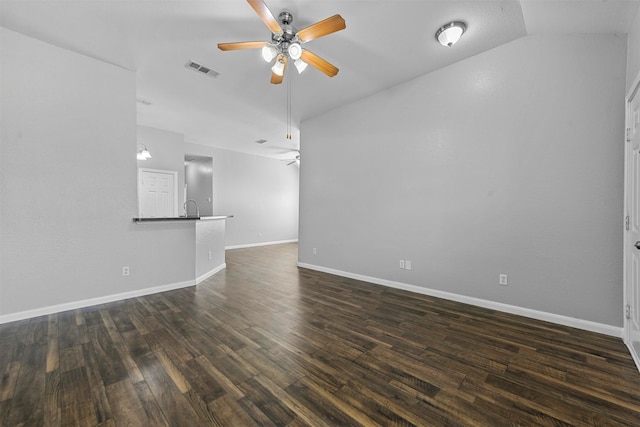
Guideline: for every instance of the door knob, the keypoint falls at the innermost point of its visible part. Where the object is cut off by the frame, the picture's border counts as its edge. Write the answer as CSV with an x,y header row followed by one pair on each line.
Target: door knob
x,y
637,245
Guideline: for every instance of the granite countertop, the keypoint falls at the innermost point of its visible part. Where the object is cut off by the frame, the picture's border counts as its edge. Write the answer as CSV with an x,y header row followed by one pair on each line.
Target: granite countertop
x,y
182,218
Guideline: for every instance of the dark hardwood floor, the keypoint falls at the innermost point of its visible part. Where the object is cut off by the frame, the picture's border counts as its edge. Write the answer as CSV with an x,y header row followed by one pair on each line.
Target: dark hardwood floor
x,y
266,343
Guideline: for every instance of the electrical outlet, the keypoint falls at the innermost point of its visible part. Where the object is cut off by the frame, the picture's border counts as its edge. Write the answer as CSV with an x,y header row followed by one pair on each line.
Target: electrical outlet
x,y
209,254
503,280
402,263
125,271
315,251
407,265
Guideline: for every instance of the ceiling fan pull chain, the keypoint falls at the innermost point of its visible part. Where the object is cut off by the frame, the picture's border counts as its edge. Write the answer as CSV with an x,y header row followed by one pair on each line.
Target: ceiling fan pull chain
x,y
288,108
289,101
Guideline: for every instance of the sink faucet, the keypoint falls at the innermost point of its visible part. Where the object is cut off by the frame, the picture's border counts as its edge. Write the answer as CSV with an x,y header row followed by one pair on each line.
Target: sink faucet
x,y
186,212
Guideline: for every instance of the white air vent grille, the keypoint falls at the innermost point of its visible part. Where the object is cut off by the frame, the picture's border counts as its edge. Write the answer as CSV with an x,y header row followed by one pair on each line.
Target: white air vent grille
x,y
202,69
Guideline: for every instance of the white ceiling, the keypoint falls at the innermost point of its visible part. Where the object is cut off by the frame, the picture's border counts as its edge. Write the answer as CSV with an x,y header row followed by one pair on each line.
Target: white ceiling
x,y
385,43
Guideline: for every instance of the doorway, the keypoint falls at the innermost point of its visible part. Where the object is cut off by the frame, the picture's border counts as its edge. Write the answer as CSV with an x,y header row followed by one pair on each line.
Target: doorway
x,y
198,182
632,224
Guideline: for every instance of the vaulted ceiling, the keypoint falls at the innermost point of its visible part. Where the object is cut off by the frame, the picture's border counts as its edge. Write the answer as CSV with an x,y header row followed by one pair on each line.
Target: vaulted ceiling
x,y
385,43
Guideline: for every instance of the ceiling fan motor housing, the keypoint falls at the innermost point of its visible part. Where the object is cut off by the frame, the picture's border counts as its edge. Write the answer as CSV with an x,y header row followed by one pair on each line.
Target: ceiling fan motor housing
x,y
288,30
286,42
286,17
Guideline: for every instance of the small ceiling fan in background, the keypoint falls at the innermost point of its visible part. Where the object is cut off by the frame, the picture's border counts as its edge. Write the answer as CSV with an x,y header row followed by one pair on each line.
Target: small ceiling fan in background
x,y
295,160
286,42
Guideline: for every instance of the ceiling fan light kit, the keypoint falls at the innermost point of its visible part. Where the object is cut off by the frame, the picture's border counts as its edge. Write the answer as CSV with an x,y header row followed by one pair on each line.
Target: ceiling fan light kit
x,y
294,51
278,67
450,33
300,65
286,41
268,53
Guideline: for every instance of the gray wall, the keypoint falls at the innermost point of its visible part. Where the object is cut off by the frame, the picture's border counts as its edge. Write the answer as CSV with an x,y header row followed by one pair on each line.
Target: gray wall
x,y
633,51
199,181
167,153
68,187
261,194
507,162
209,239
68,184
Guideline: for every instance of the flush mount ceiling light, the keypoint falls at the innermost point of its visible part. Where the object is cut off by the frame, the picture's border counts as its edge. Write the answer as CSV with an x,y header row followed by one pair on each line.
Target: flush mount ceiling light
x,y
143,153
450,33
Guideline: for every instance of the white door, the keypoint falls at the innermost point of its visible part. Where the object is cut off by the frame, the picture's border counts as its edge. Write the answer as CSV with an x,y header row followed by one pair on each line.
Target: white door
x,y
157,193
632,225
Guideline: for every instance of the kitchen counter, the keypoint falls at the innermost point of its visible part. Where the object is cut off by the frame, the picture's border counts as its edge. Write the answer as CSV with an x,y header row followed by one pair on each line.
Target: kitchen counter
x,y
182,218
208,237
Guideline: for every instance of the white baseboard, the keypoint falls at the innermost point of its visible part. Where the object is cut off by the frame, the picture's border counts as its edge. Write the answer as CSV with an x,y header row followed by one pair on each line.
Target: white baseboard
x,y
210,273
5,318
252,245
521,311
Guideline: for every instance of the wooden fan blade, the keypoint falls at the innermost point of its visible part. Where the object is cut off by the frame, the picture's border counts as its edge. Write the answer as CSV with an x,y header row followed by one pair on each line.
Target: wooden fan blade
x,y
276,79
322,28
265,14
241,45
319,63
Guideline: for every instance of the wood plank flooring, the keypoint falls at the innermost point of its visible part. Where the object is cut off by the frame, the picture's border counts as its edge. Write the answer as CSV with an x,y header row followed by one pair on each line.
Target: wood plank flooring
x,y
265,343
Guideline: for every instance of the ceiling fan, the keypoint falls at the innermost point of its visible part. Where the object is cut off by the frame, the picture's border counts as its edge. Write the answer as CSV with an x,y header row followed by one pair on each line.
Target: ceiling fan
x,y
295,160
286,42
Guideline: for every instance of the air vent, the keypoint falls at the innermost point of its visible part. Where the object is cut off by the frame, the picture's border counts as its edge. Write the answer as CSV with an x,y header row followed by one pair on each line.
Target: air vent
x,y
261,141
202,69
